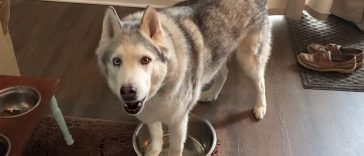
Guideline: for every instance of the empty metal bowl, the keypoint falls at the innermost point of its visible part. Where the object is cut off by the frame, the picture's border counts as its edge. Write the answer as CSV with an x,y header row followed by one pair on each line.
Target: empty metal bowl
x,y
17,101
201,138
5,145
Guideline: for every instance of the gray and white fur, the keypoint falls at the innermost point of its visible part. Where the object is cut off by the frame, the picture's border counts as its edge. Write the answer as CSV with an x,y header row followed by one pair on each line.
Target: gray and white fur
x,y
167,55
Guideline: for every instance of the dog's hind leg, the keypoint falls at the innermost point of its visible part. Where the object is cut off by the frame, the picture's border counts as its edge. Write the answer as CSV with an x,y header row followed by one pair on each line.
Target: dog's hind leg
x,y
156,133
253,54
213,92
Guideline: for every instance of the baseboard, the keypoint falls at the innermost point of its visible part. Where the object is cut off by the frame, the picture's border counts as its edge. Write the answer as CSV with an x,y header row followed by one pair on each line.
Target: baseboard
x,y
316,14
276,11
126,3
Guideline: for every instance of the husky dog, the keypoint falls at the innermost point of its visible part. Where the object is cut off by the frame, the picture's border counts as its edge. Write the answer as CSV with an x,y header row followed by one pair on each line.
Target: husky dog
x,y
157,61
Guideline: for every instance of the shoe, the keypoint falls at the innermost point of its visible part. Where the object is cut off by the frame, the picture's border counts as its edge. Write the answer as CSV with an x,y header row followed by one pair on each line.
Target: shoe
x,y
328,62
338,50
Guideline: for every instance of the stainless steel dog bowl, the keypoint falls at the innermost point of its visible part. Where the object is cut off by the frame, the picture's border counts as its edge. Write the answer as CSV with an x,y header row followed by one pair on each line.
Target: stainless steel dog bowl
x,y
201,139
17,101
5,145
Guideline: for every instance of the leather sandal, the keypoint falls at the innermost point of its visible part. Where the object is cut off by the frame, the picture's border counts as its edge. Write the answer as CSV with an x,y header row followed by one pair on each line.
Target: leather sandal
x,y
328,62
338,50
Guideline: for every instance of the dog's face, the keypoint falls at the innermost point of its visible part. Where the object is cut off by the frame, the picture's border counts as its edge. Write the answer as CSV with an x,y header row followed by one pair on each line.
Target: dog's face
x,y
133,58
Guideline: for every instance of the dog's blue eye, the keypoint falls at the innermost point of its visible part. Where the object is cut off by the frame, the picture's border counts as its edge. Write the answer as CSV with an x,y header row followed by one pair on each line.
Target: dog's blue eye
x,y
116,62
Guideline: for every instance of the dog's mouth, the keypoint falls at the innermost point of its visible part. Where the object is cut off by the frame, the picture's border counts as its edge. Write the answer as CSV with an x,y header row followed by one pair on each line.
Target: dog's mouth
x,y
134,107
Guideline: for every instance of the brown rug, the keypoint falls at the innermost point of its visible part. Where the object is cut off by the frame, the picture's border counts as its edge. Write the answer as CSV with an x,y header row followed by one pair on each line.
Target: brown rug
x,y
92,138
309,30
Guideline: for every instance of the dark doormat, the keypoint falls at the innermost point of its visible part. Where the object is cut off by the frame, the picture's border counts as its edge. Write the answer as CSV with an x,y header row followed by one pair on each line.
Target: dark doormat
x,y
92,138
335,30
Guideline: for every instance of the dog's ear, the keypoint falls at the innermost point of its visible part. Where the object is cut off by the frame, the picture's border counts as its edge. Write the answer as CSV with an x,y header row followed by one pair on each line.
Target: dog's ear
x,y
111,25
152,28
150,25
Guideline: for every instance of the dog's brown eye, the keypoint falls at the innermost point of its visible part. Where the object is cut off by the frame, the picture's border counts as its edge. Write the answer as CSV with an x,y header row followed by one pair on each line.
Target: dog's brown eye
x,y
145,60
116,62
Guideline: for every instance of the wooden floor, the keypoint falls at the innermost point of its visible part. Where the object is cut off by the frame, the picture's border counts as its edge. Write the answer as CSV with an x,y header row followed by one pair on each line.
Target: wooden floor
x,y
59,40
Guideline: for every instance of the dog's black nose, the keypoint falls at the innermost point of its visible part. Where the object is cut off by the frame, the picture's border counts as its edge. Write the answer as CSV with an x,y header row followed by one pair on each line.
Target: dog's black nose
x,y
128,93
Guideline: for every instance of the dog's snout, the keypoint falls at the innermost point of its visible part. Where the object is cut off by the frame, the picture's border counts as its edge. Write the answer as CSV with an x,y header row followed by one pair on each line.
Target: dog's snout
x,y
128,93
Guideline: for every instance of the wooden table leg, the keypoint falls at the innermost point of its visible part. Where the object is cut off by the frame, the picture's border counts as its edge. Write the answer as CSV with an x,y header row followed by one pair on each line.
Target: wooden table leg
x,y
57,115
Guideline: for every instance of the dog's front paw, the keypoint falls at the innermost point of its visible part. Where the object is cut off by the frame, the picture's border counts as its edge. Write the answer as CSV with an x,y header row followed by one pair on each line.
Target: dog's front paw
x,y
207,97
260,111
174,152
153,151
